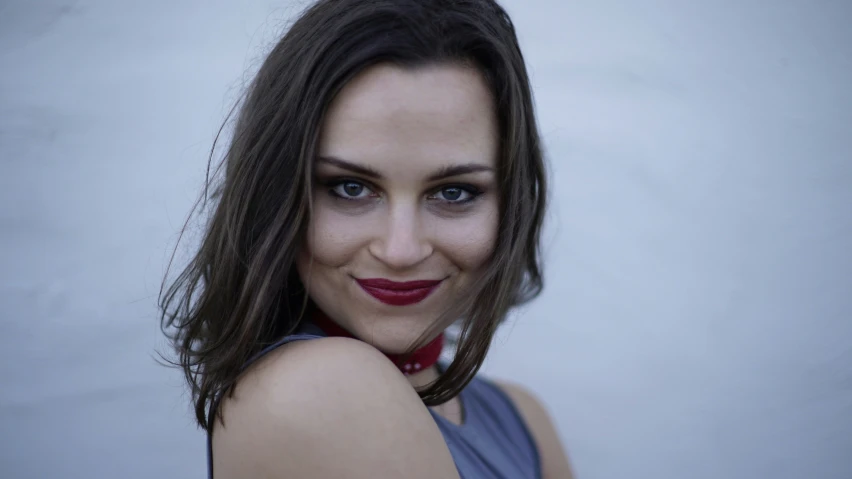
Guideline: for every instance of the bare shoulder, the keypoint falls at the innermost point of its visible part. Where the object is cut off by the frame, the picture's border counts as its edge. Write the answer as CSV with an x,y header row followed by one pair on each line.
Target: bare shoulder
x,y
554,460
331,407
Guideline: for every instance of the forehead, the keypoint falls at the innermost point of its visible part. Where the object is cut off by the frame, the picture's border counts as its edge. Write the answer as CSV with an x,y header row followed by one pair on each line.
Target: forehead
x,y
393,117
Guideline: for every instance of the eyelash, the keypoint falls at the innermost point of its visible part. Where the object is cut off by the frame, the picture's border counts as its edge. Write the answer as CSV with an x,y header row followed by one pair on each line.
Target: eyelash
x,y
471,190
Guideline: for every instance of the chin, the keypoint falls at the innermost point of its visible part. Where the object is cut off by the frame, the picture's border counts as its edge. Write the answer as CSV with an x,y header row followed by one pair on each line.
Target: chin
x,y
393,334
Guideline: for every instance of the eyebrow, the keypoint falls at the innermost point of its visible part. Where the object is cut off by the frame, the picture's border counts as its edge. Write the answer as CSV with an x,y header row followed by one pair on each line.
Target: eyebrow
x,y
353,167
457,170
445,172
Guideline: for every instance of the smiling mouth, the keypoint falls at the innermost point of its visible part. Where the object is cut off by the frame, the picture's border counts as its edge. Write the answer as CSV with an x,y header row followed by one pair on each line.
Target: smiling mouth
x,y
397,293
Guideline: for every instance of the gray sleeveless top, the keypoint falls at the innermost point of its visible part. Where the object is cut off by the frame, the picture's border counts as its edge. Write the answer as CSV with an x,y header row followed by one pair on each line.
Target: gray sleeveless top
x,y
493,442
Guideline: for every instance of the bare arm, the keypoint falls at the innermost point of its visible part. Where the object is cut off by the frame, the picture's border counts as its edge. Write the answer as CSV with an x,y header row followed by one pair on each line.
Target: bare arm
x,y
329,407
554,460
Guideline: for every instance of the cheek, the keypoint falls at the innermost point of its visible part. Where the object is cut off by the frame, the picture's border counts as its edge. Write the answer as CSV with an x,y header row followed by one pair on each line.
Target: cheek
x,y
469,243
333,239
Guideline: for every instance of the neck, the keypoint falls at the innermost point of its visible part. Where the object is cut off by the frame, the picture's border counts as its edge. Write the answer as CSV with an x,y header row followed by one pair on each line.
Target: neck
x,y
424,378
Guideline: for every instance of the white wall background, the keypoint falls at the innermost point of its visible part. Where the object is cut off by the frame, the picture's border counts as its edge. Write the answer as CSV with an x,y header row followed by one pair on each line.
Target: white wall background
x,y
697,321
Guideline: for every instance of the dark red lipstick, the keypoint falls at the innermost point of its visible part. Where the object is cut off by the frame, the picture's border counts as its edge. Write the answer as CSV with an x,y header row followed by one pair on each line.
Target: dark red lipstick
x,y
398,293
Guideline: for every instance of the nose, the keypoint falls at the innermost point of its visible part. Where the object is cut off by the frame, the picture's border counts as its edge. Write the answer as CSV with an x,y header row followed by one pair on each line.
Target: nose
x,y
401,244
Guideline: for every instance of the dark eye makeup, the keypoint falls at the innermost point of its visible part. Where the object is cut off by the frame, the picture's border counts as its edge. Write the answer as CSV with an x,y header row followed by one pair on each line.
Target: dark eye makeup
x,y
356,190
456,194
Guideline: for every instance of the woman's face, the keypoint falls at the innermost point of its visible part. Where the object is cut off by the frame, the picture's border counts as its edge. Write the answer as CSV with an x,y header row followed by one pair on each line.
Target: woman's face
x,y
405,200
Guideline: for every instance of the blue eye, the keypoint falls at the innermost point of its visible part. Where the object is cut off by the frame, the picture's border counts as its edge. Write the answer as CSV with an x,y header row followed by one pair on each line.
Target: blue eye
x,y
456,195
453,194
350,190
449,195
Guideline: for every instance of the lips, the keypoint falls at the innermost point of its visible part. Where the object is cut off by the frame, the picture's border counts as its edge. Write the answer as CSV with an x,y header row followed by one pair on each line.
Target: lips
x,y
397,293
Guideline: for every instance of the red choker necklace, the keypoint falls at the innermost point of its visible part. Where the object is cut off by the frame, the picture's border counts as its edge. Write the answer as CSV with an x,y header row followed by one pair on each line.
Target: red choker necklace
x,y
421,359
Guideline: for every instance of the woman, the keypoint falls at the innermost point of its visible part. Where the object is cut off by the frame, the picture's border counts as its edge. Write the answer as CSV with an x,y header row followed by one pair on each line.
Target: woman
x,y
384,180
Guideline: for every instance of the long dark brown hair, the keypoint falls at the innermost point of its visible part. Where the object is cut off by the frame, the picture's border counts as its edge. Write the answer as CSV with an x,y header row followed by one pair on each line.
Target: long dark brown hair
x,y
240,291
